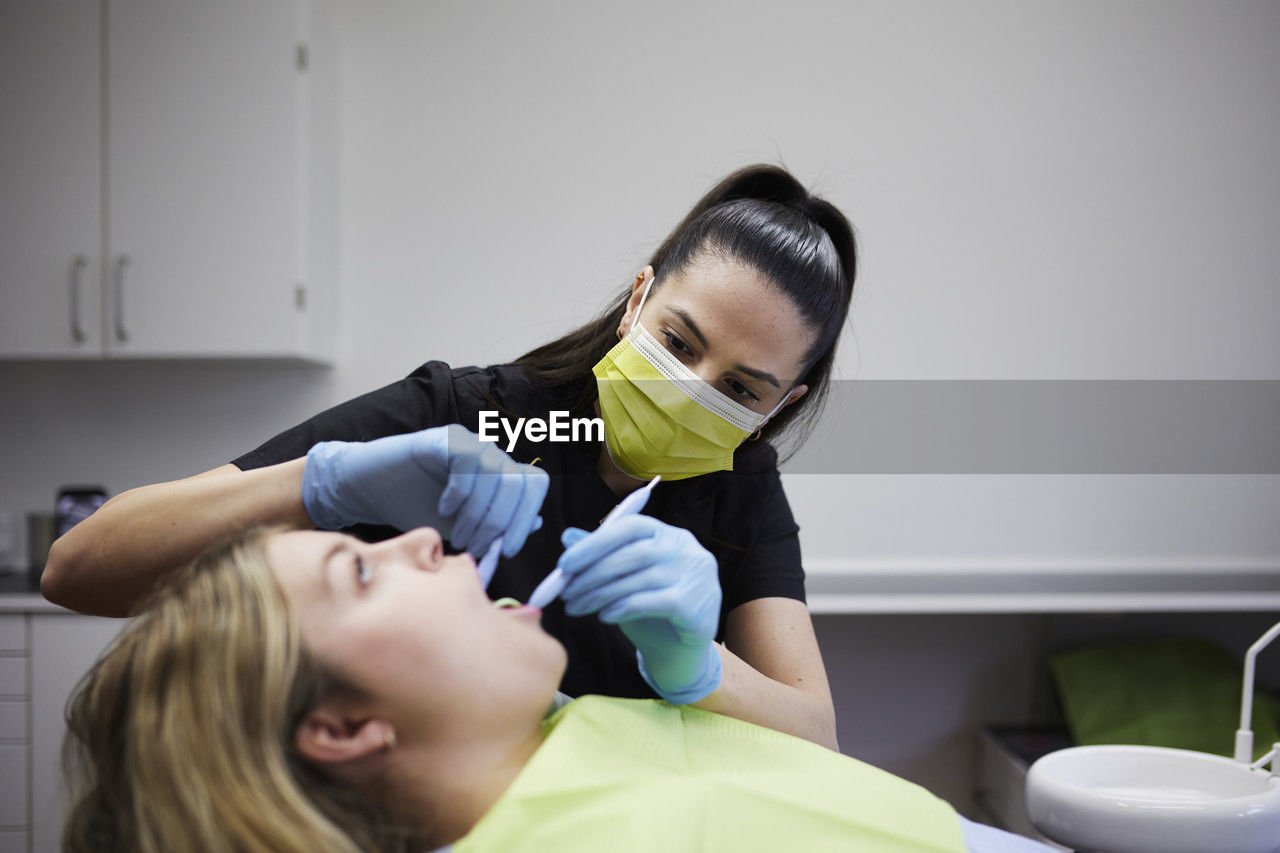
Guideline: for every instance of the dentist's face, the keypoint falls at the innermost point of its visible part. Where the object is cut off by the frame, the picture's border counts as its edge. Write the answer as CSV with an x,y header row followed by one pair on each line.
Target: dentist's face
x,y
728,323
413,628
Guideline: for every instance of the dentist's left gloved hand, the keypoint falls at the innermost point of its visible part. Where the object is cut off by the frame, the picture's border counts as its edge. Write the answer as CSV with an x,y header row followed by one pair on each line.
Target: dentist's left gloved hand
x,y
442,477
658,585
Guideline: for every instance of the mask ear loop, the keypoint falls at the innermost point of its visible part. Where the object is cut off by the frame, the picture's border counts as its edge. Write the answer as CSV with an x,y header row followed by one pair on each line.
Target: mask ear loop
x,y
755,435
640,307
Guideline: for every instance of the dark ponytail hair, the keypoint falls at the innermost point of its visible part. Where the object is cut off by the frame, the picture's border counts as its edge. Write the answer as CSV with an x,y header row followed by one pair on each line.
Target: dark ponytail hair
x,y
764,218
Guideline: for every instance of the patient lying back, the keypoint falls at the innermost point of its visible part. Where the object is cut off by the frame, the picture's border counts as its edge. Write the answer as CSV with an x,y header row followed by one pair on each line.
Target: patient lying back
x,y
305,691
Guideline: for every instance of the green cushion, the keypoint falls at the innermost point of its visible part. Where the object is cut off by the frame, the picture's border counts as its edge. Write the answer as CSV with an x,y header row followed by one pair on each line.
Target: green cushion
x,y
1182,693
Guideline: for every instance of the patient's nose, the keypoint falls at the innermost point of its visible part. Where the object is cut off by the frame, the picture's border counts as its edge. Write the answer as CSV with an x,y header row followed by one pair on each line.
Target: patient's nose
x,y
424,547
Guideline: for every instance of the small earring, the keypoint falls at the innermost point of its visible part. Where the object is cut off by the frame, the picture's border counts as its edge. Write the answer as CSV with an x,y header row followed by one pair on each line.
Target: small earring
x,y
639,277
389,741
620,335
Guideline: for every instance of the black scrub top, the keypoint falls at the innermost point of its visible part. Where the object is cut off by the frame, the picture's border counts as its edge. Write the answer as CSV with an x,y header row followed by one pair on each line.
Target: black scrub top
x,y
742,517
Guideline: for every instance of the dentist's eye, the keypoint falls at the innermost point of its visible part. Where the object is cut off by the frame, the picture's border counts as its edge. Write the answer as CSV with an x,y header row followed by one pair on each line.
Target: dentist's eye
x,y
363,573
740,390
677,345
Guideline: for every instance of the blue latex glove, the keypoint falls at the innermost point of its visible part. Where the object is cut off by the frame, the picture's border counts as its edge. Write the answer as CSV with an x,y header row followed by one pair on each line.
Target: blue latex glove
x,y
658,585
443,477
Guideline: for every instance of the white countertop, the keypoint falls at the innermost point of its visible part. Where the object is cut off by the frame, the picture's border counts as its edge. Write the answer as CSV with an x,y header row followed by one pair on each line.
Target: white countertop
x,y
28,602
17,596
1042,588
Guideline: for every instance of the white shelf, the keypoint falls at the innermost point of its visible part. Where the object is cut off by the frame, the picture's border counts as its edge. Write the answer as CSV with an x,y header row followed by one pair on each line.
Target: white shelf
x,y
1029,588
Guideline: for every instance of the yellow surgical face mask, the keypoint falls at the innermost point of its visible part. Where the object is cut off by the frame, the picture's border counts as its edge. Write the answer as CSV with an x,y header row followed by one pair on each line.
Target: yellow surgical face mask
x,y
660,417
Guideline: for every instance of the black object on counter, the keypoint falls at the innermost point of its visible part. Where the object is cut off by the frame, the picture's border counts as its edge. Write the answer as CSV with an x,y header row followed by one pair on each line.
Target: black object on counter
x,y
75,504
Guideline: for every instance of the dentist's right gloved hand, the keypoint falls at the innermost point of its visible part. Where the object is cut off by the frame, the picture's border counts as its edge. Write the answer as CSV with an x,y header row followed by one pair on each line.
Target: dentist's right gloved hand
x,y
443,477
662,588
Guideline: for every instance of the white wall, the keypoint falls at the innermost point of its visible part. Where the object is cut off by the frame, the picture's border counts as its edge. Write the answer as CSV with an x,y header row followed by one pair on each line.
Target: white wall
x,y
1051,190
1074,190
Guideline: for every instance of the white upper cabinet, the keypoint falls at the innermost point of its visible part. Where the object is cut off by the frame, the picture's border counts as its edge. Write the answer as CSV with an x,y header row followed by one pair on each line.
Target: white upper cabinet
x,y
207,186
50,177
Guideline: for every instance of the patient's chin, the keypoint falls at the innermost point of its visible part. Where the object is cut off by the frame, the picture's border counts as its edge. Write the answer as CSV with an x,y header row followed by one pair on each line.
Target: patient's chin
x,y
559,658
548,669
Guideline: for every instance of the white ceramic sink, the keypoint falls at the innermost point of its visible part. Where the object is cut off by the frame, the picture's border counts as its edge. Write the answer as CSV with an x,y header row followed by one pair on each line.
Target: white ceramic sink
x,y
1146,799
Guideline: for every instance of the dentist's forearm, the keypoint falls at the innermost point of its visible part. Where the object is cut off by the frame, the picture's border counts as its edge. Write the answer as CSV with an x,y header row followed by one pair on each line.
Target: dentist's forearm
x,y
108,562
747,694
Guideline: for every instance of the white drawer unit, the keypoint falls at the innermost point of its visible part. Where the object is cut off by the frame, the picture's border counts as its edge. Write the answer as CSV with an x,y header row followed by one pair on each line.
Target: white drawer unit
x,y
63,647
13,632
13,721
13,786
13,677
15,734
14,841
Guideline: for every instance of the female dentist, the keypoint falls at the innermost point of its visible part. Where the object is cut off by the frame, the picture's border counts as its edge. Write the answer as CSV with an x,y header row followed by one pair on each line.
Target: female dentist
x,y
723,341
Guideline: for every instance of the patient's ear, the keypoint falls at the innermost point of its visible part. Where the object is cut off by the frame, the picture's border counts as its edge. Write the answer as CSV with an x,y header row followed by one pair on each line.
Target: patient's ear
x,y
330,736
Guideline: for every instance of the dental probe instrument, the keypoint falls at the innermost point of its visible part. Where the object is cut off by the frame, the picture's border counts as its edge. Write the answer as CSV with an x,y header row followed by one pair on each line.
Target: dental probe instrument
x,y
553,584
489,562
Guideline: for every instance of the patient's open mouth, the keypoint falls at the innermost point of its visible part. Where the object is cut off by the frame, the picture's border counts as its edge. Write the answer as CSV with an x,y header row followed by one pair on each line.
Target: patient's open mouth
x,y
514,605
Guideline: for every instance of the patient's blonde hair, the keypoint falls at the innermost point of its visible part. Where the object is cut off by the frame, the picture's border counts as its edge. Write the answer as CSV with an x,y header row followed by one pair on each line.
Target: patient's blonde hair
x,y
181,735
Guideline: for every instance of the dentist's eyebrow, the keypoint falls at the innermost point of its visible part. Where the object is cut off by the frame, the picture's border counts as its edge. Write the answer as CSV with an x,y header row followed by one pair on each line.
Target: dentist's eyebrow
x,y
688,321
758,374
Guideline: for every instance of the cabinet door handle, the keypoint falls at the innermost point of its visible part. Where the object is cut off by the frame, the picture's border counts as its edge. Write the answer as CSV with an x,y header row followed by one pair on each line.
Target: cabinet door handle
x,y
122,263
78,265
